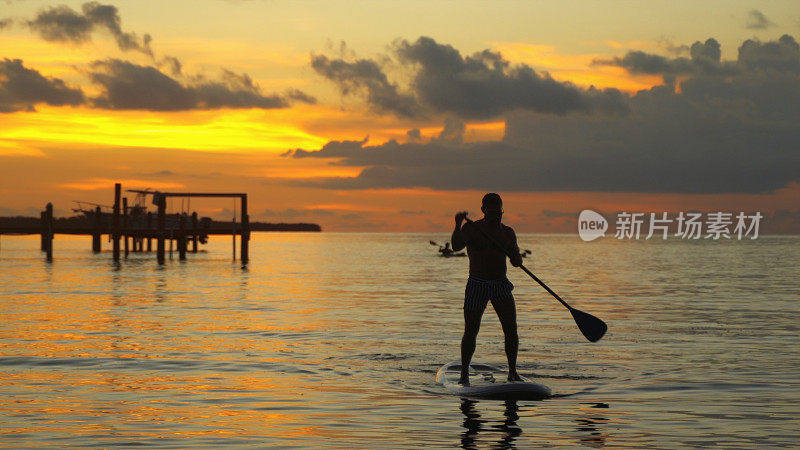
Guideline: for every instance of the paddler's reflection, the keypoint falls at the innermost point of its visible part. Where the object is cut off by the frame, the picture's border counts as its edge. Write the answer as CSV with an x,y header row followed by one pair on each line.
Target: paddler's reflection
x,y
591,435
508,428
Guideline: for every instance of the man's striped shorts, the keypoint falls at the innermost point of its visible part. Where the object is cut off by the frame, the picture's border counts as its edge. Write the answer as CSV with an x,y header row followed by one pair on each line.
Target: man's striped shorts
x,y
479,291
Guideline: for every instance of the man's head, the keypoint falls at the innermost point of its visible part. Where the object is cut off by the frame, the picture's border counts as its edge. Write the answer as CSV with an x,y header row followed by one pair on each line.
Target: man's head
x,y
492,207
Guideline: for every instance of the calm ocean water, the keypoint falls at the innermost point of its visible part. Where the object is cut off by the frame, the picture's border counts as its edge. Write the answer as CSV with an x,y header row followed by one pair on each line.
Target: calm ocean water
x,y
333,340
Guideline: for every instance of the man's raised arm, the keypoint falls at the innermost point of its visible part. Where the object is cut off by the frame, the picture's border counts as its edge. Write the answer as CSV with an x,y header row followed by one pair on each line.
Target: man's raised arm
x,y
458,240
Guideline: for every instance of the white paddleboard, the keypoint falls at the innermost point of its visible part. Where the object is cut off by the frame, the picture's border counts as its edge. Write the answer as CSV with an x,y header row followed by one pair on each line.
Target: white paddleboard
x,y
489,382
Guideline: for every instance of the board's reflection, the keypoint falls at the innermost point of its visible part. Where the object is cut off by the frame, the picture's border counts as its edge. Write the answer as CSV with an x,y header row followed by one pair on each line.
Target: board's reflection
x,y
507,428
503,432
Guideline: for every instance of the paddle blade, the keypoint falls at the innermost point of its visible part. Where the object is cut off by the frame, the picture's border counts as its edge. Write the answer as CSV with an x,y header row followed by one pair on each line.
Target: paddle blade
x,y
433,243
591,327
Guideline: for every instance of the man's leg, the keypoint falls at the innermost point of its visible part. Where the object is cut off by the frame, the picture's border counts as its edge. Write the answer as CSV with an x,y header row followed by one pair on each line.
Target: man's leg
x,y
472,324
507,313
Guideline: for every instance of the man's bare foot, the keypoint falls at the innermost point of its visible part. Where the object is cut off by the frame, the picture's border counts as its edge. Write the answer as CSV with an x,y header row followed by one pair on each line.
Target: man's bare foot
x,y
514,376
464,381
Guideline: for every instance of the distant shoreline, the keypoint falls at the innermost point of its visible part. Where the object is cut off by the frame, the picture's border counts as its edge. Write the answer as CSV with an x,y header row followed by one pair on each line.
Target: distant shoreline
x,y
267,226
33,224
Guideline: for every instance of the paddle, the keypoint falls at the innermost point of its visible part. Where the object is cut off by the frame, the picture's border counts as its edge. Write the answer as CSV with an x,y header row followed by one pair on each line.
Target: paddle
x,y
434,243
591,327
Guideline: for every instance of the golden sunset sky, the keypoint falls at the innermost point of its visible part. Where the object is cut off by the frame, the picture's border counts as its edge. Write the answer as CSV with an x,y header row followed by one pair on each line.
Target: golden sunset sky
x,y
393,116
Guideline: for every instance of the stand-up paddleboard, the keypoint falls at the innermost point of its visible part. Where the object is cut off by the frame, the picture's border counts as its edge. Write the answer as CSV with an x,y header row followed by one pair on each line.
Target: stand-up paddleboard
x,y
489,382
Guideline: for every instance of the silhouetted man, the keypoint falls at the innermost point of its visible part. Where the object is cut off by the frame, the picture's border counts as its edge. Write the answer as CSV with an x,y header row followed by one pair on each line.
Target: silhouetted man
x,y
487,280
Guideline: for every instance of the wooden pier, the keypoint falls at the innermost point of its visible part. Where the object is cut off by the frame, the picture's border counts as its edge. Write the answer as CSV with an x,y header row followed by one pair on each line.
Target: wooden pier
x,y
181,229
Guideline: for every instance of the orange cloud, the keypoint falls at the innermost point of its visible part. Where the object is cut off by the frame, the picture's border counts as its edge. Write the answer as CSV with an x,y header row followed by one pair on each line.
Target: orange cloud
x,y
106,183
351,207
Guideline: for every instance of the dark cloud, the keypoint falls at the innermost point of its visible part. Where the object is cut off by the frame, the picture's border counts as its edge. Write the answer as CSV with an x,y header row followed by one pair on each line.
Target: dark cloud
x,y
108,17
641,62
613,166
4,23
126,85
704,59
173,64
754,55
756,20
483,85
366,75
722,131
453,131
610,101
414,134
234,91
780,55
22,88
64,24
333,149
130,86
300,96
709,51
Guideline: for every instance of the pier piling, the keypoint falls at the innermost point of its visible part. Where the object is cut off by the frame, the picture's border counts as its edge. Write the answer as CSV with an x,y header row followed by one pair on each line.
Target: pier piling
x,y
182,237
98,231
161,201
149,227
125,224
194,232
115,232
43,230
49,231
245,235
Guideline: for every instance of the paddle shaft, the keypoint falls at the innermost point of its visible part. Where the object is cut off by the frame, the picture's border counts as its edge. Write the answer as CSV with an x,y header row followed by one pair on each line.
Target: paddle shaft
x,y
521,266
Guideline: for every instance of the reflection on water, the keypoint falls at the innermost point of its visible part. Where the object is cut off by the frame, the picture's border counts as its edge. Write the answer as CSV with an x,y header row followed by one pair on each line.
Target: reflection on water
x,y
594,437
593,426
506,429
333,340
486,426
